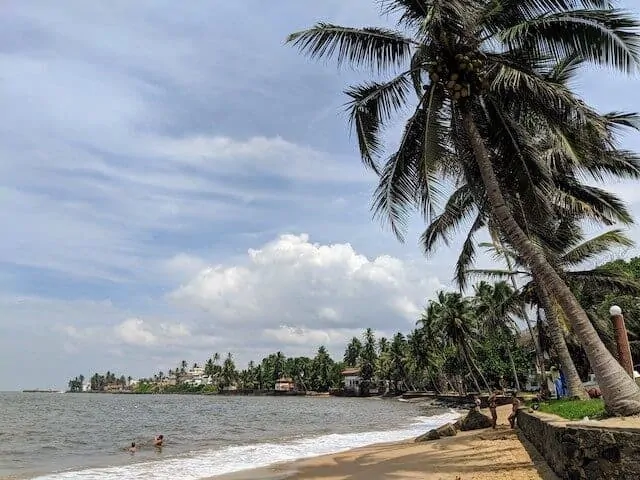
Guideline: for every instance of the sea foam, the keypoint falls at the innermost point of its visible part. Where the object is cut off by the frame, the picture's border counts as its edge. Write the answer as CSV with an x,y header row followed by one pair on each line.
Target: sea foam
x,y
207,463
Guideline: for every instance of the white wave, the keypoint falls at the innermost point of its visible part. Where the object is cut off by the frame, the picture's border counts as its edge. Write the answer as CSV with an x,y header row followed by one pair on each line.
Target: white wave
x,y
231,459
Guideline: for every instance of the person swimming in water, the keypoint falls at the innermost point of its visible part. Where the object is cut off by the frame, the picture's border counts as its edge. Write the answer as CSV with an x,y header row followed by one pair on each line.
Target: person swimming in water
x,y
133,448
158,441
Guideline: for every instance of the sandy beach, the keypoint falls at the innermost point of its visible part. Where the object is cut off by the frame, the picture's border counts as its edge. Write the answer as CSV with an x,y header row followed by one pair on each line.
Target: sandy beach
x,y
479,455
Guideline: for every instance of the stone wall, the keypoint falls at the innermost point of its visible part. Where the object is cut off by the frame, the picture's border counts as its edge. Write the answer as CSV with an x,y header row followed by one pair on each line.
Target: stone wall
x,y
577,452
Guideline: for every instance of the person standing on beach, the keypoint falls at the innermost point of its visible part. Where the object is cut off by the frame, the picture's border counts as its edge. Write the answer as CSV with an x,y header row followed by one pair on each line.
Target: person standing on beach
x,y
493,408
515,404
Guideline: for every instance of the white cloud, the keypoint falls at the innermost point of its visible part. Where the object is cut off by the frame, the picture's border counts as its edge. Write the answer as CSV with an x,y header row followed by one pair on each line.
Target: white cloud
x,y
272,155
135,331
319,292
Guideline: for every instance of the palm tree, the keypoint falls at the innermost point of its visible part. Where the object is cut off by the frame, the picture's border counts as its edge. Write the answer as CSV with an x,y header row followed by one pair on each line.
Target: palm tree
x,y
479,68
453,316
353,352
497,306
573,253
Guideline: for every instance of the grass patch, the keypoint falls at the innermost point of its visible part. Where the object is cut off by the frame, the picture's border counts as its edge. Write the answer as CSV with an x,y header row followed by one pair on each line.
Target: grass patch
x,y
574,409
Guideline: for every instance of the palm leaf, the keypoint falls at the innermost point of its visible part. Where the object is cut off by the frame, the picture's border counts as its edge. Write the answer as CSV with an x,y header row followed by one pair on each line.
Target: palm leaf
x,y
405,180
495,273
602,36
376,48
457,210
596,246
373,104
606,281
468,252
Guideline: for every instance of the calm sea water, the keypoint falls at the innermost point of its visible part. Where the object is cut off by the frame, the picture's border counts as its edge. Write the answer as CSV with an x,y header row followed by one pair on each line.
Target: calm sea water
x,y
83,436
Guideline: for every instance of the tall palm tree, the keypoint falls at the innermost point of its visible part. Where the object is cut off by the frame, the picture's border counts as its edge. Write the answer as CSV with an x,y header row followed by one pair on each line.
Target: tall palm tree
x,y
573,254
453,316
497,306
478,68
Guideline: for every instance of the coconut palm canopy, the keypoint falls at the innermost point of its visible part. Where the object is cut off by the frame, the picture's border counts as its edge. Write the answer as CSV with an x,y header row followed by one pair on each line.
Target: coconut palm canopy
x,y
483,75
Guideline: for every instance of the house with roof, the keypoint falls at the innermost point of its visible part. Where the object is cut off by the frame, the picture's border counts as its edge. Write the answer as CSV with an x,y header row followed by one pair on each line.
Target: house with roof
x,y
351,380
285,384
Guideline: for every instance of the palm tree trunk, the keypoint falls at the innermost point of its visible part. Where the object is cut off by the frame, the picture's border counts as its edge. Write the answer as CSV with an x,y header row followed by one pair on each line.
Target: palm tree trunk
x,y
513,368
574,384
620,392
473,377
475,365
534,338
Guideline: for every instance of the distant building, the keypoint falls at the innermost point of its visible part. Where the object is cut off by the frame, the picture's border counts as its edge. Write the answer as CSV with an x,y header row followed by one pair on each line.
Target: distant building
x,y
351,380
196,371
86,386
285,384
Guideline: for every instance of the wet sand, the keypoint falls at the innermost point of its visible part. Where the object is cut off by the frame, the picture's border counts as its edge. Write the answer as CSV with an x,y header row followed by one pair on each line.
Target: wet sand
x,y
479,455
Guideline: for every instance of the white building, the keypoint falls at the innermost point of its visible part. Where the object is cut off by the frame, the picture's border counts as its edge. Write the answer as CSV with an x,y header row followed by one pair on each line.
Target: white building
x,y
285,384
351,380
196,371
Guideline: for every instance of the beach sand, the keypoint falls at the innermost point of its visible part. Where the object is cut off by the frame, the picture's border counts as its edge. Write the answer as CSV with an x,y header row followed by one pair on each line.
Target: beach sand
x,y
479,455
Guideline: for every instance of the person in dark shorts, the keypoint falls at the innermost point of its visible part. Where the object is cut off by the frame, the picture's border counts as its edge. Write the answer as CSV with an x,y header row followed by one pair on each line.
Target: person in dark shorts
x,y
493,408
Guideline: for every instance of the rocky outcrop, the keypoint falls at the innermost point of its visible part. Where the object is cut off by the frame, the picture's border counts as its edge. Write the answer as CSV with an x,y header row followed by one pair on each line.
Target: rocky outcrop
x,y
475,421
430,435
577,452
448,430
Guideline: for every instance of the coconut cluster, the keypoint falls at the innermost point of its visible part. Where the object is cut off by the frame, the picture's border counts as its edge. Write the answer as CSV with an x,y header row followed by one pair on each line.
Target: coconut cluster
x,y
462,74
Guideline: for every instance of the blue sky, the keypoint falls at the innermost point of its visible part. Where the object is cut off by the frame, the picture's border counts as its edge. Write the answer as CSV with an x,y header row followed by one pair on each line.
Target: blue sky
x,y
175,181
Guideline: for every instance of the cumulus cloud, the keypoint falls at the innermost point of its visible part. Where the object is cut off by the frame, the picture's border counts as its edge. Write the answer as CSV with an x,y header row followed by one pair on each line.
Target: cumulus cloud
x,y
296,292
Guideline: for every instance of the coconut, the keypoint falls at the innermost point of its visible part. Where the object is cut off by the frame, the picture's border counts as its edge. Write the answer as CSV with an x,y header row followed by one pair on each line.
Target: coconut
x,y
464,92
456,96
451,84
454,76
457,87
434,77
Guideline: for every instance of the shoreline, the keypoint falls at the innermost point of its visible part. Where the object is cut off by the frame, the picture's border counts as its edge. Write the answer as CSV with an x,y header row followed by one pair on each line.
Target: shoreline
x,y
480,454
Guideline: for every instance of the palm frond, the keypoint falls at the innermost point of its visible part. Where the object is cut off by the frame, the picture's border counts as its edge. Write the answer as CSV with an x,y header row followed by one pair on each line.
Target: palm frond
x,y
603,36
373,104
623,119
409,177
565,70
596,246
590,202
606,281
494,273
457,210
468,252
376,48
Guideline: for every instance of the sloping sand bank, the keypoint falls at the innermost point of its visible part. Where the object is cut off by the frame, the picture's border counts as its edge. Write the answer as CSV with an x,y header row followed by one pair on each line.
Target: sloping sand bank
x,y
479,455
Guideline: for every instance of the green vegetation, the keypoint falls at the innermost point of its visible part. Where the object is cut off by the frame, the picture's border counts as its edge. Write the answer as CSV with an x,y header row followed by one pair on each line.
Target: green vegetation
x,y
575,409
498,141
488,84
460,344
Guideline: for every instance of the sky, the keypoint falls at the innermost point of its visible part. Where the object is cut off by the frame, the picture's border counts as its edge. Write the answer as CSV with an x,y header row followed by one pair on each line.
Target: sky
x,y
175,181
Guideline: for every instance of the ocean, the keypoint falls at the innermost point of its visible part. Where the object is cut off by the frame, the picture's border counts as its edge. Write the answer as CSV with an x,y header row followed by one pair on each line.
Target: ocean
x,y
84,436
